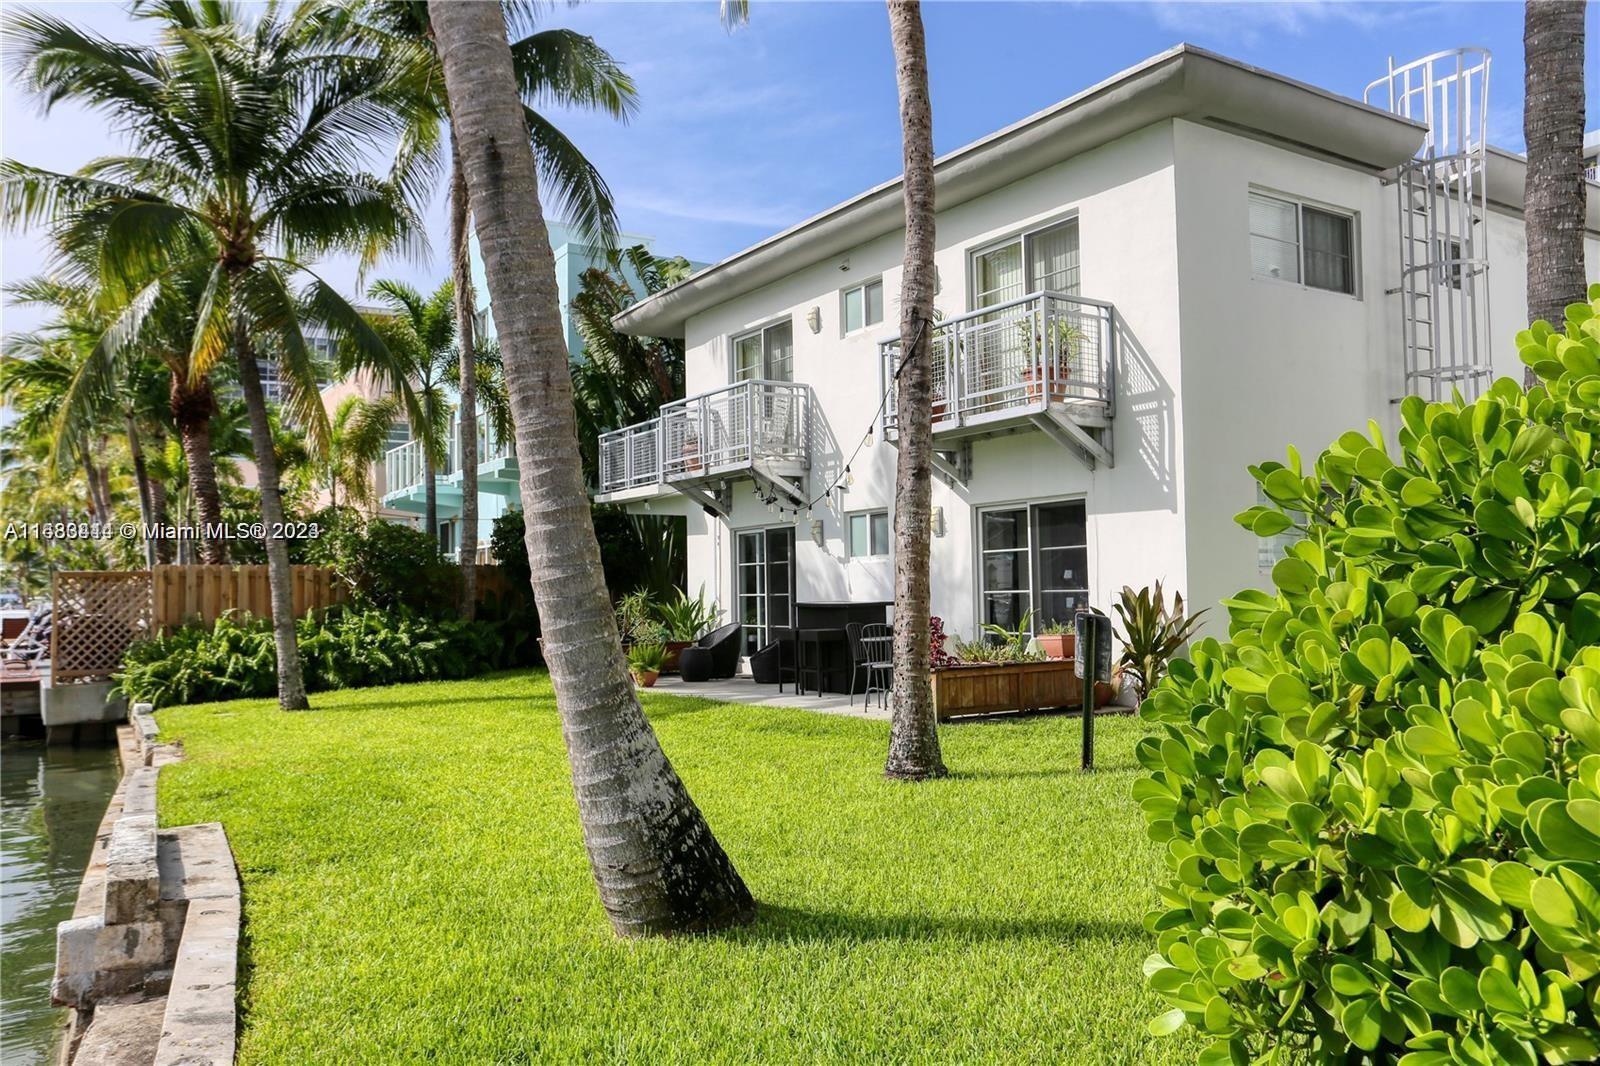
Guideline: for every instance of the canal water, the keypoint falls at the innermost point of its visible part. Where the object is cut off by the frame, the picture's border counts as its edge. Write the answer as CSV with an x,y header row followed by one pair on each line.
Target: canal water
x,y
51,803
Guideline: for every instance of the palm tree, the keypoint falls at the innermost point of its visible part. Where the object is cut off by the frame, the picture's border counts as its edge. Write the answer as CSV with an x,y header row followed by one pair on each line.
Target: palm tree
x,y
421,333
657,865
246,146
1552,125
553,67
913,736
357,436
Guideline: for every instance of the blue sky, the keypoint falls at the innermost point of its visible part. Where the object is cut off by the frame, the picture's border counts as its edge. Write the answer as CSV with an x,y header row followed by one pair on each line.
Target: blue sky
x,y
743,134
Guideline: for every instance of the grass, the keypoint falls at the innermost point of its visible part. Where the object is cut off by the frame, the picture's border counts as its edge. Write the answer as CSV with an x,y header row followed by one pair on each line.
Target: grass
x,y
416,887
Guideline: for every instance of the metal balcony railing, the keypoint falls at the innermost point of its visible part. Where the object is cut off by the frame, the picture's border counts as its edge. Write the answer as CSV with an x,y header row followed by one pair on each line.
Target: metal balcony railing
x,y
1019,356
723,431
403,467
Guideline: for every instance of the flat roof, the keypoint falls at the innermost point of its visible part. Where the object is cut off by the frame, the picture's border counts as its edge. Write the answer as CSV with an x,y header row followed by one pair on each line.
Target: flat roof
x,y
1182,82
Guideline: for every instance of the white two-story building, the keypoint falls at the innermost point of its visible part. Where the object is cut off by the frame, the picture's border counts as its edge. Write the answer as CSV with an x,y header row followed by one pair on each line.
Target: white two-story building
x,y
1143,289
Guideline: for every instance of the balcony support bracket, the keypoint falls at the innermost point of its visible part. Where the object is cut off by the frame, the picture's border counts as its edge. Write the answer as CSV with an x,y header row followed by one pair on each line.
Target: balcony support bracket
x,y
954,466
770,484
1092,447
715,499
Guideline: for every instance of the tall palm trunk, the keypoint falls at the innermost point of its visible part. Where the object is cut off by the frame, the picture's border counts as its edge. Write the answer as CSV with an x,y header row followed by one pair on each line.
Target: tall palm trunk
x,y
1552,125
158,507
192,407
280,578
913,736
430,496
141,477
95,476
461,271
656,863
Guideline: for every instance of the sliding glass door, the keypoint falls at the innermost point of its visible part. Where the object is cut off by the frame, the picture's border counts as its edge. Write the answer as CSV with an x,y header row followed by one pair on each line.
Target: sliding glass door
x,y
764,583
1033,557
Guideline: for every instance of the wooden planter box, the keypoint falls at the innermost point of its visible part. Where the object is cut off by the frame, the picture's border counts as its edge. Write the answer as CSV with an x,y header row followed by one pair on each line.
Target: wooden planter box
x,y
993,687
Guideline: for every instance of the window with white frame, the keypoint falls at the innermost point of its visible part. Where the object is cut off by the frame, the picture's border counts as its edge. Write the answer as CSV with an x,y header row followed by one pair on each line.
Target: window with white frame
x,y
862,305
869,534
1297,242
766,353
1041,260
1033,559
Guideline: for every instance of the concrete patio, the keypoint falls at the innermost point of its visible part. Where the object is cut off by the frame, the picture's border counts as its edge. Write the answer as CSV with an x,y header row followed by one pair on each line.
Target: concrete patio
x,y
742,689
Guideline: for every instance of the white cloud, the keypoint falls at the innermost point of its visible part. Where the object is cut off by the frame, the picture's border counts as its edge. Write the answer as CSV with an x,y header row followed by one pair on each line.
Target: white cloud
x,y
1250,21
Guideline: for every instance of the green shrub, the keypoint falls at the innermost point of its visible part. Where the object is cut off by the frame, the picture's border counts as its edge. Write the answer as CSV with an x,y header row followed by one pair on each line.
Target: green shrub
x,y
388,565
340,649
1380,798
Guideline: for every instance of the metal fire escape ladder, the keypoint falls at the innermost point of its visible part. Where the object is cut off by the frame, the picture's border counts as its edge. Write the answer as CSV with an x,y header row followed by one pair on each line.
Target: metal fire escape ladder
x,y
1442,211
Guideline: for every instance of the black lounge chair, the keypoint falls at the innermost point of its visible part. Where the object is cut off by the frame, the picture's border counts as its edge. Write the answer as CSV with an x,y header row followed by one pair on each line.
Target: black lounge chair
x,y
715,656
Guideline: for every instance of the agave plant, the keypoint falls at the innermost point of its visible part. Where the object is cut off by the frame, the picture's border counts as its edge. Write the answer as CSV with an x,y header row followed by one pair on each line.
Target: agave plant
x,y
1151,634
686,618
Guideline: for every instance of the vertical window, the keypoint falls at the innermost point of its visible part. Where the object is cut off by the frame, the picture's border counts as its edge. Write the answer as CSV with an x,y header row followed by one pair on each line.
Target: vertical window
x,y
1007,585
1291,241
869,534
1034,559
863,306
447,537
764,584
767,353
1044,260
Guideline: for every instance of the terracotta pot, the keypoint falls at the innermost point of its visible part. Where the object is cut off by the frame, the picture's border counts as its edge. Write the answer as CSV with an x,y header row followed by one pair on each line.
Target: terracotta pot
x,y
691,455
674,647
1104,693
1035,386
645,678
1058,645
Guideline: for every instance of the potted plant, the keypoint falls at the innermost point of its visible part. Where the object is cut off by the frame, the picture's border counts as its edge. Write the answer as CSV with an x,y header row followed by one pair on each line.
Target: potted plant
x,y
684,620
1058,640
689,451
1057,357
645,662
1151,635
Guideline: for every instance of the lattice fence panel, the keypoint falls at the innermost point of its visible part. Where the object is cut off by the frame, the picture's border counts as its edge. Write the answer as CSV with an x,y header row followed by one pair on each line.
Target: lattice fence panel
x,y
98,613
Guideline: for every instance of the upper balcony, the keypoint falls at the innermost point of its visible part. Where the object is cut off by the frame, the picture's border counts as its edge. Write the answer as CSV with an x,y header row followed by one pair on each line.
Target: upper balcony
x,y
760,430
404,471
1046,360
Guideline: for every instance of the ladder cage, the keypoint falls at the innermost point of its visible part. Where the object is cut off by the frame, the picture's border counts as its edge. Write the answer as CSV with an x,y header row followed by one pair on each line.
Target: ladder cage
x,y
1442,222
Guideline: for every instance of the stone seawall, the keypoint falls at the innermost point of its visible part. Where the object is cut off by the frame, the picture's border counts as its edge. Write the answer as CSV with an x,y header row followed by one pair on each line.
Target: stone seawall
x,y
149,960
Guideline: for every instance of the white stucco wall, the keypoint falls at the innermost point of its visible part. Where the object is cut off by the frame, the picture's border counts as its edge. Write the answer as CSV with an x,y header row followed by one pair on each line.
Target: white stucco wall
x,y
1219,369
1123,196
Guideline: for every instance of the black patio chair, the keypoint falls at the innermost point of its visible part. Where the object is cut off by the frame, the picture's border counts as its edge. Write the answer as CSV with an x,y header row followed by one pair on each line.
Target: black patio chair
x,y
877,650
724,645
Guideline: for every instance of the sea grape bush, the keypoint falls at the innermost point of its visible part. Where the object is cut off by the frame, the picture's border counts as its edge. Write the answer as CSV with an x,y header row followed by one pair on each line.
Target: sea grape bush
x,y
1380,797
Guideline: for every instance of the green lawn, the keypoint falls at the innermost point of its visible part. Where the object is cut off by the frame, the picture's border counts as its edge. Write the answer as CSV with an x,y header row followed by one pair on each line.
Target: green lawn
x,y
416,888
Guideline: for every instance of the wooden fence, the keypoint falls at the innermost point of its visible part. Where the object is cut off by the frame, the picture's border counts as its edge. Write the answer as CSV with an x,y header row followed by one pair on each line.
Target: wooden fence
x,y
99,613
203,593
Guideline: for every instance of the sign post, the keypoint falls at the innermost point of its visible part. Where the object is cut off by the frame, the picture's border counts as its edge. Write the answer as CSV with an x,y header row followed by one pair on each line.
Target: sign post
x,y
1091,662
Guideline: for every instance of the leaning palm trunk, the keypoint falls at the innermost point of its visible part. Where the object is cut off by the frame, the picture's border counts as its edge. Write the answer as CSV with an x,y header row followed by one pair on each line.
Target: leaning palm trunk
x,y
191,410
280,578
1552,126
466,339
430,495
656,863
913,736
158,509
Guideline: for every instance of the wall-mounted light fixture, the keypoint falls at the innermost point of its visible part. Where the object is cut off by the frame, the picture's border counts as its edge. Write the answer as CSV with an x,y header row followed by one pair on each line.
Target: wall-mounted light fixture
x,y
814,319
816,532
844,264
937,522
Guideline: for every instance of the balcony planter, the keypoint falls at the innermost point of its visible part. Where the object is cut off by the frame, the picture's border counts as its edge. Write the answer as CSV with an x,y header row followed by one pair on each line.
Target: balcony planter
x,y
689,451
1058,645
1034,383
993,688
